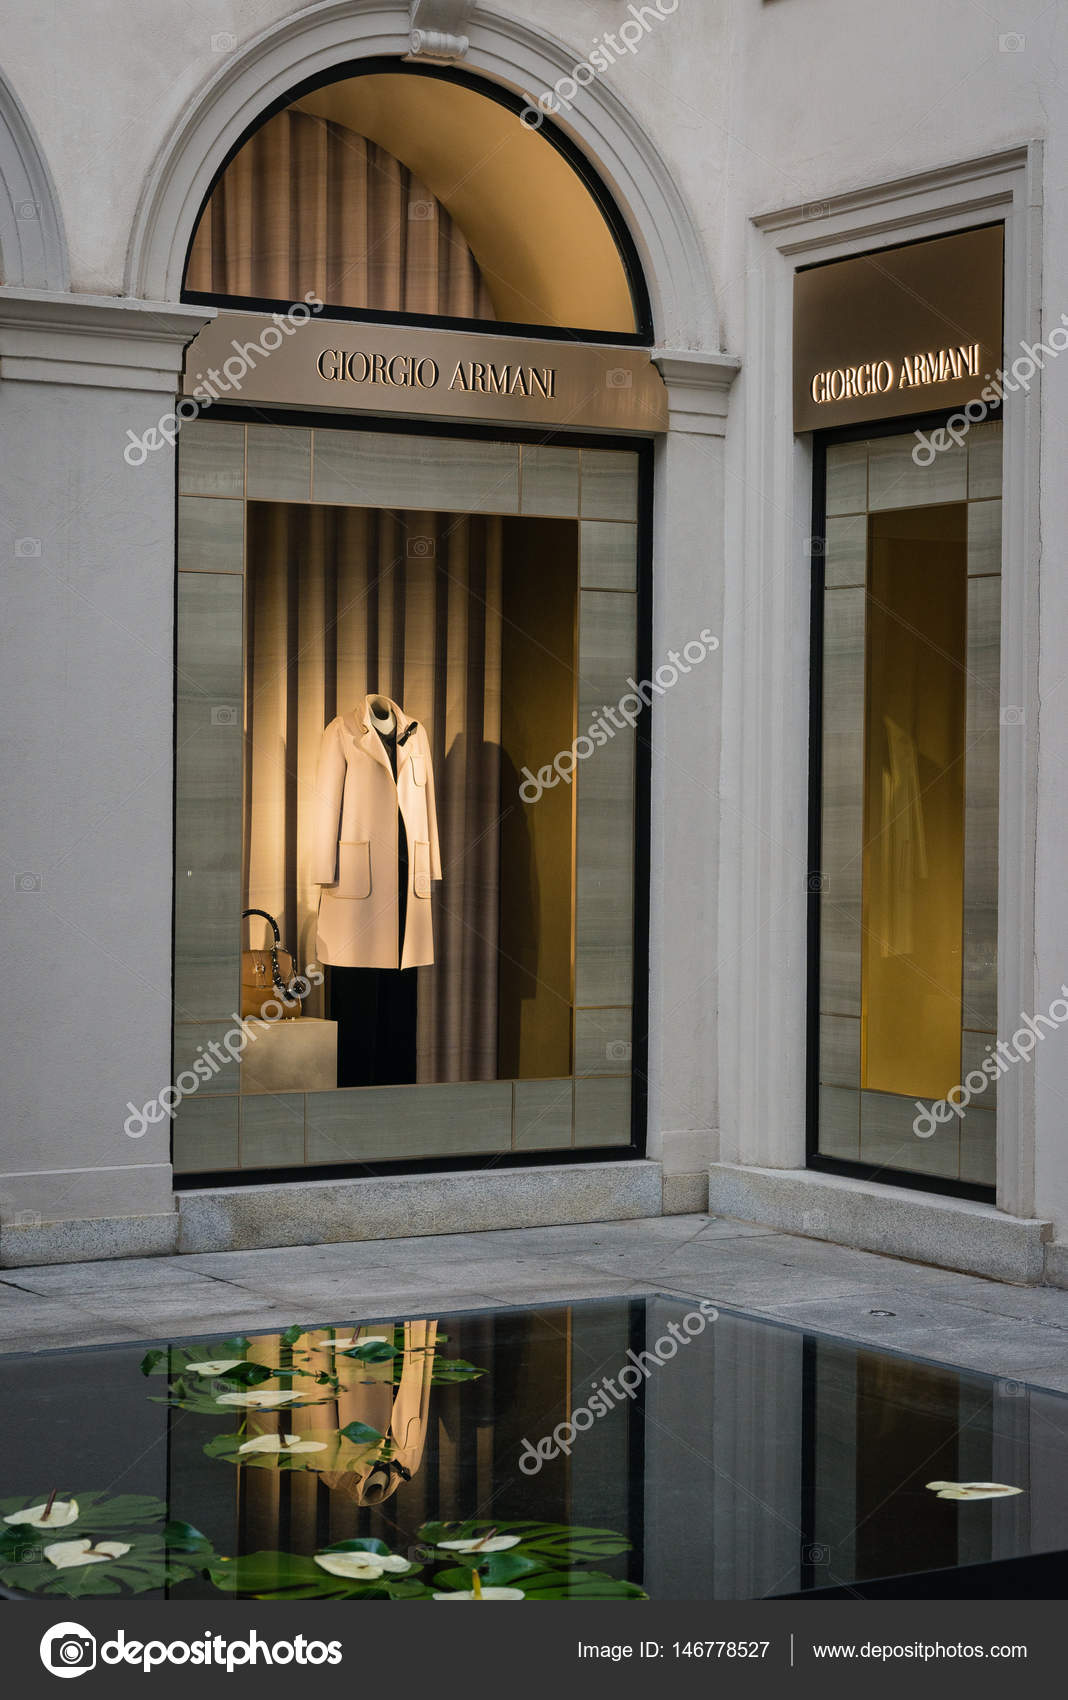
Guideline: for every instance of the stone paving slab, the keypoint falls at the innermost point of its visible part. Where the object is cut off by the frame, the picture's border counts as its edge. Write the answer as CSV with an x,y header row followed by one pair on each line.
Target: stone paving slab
x,y
1016,1332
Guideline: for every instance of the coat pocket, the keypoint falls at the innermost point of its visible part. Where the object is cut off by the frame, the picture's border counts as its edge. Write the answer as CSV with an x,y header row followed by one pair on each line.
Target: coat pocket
x,y
353,870
419,770
421,871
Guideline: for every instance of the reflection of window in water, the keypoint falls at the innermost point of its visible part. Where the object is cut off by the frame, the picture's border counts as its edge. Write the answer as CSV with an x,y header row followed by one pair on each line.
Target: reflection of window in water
x,y
400,1410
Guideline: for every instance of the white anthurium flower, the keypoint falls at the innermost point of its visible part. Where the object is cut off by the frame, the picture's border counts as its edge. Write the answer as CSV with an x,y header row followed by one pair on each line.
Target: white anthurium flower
x,y
495,1543
348,1341
280,1443
484,1594
973,1490
67,1555
258,1399
362,1566
214,1366
60,1513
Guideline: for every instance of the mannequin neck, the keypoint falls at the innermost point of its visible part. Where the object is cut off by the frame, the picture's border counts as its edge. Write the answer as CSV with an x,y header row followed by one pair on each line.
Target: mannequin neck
x,y
383,718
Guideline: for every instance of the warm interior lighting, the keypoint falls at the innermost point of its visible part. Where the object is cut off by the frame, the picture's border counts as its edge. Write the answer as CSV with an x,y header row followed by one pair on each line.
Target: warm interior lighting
x,y
542,245
914,800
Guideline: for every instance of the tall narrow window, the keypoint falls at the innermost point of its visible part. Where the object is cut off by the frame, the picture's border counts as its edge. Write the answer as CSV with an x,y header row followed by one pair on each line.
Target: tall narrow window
x,y
908,807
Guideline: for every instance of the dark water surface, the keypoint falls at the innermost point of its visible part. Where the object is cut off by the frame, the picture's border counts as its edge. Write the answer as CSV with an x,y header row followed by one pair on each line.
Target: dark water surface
x,y
749,1460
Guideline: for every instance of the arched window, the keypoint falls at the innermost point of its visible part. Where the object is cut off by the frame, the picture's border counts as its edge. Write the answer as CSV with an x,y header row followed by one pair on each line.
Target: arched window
x,y
408,192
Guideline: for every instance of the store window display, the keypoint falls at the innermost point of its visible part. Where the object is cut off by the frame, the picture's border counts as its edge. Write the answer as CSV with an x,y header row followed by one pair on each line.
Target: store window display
x,y
382,627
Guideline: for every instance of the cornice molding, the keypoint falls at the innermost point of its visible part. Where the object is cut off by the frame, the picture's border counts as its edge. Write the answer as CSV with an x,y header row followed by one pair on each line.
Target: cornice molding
x,y
698,386
969,189
104,341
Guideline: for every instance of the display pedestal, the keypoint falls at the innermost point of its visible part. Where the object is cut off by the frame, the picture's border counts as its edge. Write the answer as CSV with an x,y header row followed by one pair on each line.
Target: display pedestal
x,y
291,1056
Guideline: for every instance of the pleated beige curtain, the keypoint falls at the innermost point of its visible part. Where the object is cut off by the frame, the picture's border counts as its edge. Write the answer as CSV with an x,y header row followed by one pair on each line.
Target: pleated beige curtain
x,y
346,601
308,204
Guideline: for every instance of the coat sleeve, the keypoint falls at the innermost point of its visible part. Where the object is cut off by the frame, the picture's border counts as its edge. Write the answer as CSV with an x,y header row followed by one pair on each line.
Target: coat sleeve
x,y
329,791
431,813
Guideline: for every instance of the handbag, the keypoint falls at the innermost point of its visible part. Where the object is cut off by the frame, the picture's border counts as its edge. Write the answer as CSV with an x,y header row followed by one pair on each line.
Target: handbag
x,y
268,974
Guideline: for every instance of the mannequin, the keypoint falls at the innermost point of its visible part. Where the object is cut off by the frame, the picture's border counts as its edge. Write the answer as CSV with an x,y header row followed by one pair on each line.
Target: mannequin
x,y
375,799
382,716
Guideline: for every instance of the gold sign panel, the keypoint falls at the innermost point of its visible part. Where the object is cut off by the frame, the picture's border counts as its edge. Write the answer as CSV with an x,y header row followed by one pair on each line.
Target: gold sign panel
x,y
903,330
300,359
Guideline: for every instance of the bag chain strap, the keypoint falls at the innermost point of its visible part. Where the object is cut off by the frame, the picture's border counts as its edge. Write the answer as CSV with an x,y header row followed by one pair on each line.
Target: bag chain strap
x,y
276,972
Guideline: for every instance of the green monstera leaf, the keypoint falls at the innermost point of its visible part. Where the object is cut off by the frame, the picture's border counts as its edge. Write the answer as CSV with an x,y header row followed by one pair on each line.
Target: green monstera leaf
x,y
212,1398
373,1352
142,1562
504,1570
173,1360
290,1576
446,1371
558,1543
317,1450
98,1514
539,1564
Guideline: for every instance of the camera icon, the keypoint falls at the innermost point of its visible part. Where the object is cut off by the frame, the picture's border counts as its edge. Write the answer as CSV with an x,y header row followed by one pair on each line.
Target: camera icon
x,y
1012,715
815,546
68,1649
224,714
815,209
27,210
421,549
816,882
28,548
815,1554
28,1555
618,378
617,1050
1012,43
421,211
224,42
27,882
1011,1389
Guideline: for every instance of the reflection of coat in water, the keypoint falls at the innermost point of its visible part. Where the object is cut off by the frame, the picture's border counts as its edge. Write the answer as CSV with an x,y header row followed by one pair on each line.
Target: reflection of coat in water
x,y
903,842
399,1409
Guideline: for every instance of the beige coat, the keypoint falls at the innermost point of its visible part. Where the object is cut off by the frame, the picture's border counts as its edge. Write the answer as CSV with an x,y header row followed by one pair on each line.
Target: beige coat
x,y
354,854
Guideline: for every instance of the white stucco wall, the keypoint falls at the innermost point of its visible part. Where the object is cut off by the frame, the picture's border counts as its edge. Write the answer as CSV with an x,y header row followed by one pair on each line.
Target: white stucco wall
x,y
751,105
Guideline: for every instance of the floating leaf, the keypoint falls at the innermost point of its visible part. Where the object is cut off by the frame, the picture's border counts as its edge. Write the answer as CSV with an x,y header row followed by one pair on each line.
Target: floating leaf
x,y
581,1585
370,1352
175,1360
340,1453
150,1561
98,1514
361,1434
504,1570
558,1542
288,1576
448,1370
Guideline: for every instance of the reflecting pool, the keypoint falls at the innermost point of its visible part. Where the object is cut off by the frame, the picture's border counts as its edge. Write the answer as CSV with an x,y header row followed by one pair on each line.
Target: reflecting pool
x,y
616,1448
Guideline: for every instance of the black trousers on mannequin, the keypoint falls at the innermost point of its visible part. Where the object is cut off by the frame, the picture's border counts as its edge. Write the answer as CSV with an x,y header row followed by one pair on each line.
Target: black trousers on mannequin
x,y
376,1008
